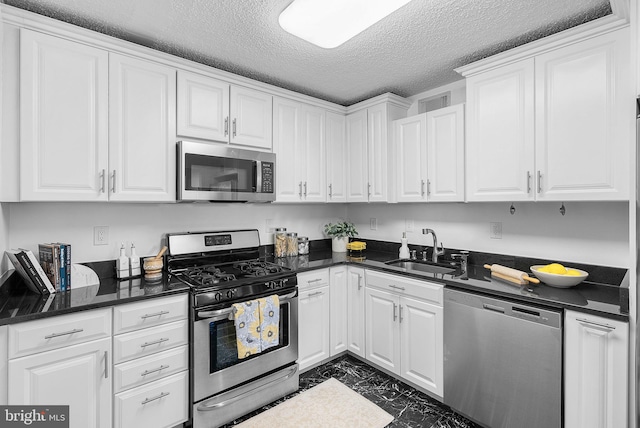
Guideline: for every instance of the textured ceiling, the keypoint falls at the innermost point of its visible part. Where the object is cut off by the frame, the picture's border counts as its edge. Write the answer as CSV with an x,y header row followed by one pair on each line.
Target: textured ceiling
x,y
411,51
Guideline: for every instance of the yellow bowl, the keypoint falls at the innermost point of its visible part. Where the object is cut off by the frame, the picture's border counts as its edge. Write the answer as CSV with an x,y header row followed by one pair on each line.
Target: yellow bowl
x,y
558,280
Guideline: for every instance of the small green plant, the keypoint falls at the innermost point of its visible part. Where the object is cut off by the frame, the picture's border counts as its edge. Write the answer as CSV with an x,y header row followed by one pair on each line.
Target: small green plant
x,y
340,229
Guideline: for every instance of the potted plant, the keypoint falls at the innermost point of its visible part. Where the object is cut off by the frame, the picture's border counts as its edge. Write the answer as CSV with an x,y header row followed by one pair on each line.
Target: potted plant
x,y
340,233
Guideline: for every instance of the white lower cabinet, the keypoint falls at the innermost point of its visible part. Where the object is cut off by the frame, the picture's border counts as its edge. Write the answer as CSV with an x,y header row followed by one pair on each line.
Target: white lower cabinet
x,y
339,311
3,366
595,372
313,318
404,328
355,304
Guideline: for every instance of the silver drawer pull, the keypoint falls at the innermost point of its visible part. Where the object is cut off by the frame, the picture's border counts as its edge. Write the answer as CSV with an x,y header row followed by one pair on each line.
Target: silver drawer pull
x,y
396,287
316,293
157,397
147,372
66,333
157,314
155,342
607,326
314,280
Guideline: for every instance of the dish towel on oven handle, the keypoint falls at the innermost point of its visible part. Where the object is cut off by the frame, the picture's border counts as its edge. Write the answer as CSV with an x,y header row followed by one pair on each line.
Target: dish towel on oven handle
x,y
270,321
246,317
257,325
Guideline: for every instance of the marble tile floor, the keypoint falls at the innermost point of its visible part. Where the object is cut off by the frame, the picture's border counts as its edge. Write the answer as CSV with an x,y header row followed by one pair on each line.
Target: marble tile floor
x,y
409,407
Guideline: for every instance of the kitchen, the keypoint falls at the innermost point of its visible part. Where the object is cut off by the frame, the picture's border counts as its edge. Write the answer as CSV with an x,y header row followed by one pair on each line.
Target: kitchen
x,y
537,229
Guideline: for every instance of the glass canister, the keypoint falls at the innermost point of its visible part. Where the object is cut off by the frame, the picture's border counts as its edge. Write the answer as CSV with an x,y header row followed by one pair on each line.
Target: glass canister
x,y
292,244
303,245
280,242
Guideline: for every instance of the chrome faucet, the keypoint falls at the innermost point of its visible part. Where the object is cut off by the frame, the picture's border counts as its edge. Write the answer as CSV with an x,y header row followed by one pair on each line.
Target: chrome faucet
x,y
436,252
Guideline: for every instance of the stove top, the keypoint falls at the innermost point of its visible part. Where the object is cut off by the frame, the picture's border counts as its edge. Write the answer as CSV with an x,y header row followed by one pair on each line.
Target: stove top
x,y
210,275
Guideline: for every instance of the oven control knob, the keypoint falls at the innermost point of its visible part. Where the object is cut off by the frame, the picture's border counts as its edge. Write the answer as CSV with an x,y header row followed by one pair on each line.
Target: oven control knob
x,y
271,284
230,294
218,296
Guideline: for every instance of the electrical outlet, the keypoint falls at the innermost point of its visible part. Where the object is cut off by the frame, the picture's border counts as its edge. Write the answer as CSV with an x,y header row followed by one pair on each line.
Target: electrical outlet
x,y
409,225
495,230
101,235
373,223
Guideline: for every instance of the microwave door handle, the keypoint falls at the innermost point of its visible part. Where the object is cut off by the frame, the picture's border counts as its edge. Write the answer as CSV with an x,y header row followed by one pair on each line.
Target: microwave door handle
x,y
257,174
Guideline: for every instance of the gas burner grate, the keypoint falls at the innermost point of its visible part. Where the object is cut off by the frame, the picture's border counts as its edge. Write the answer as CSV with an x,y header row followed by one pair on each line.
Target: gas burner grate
x,y
257,268
209,275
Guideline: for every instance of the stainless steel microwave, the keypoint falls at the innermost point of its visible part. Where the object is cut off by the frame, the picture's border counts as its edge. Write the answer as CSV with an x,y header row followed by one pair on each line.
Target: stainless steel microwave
x,y
210,172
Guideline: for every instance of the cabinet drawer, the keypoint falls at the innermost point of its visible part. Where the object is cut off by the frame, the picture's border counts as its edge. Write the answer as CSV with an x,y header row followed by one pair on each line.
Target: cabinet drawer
x,y
57,332
149,313
163,403
149,341
314,278
150,368
425,290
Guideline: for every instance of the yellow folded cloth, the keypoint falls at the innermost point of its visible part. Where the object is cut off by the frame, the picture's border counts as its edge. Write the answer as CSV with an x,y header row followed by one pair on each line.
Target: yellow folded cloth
x,y
269,321
247,322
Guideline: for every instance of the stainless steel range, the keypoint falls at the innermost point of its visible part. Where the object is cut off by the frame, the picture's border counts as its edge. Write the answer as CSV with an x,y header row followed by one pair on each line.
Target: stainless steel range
x,y
223,268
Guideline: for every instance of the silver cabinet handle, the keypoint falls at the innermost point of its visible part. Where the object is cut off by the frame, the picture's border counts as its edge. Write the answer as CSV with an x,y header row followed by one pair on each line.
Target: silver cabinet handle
x,y
607,326
305,189
422,187
155,342
226,126
147,372
102,181
401,314
234,127
113,188
396,287
528,182
428,187
311,281
106,364
395,315
359,281
369,189
316,293
66,333
157,314
539,182
330,191
300,189
157,397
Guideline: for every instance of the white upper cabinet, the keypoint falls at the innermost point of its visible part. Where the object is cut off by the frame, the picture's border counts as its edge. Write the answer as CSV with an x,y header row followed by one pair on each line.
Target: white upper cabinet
x,y
378,152
555,126
357,172
63,119
142,130
430,156
203,107
251,118
583,117
335,125
299,144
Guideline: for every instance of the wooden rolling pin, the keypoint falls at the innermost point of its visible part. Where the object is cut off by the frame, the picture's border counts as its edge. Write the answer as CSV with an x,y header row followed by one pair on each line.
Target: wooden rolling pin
x,y
512,275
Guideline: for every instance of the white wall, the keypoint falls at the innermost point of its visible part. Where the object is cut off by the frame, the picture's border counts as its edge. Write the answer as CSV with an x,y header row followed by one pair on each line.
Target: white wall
x,y
590,232
145,224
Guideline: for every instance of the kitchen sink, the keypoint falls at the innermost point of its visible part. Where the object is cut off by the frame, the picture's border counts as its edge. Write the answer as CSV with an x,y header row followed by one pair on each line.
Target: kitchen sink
x,y
419,266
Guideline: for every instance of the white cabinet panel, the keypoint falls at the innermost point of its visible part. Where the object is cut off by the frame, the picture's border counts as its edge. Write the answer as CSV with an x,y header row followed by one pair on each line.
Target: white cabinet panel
x,y
338,294
336,140
410,136
4,382
377,153
251,118
150,368
63,119
382,329
313,326
356,305
149,313
357,171
148,341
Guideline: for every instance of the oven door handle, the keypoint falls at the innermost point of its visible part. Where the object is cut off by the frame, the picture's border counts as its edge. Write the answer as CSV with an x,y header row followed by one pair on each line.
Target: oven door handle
x,y
204,407
221,314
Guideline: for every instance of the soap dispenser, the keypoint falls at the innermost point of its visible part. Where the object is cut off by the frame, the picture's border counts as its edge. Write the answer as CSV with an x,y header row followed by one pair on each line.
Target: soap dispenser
x,y
134,262
122,264
404,248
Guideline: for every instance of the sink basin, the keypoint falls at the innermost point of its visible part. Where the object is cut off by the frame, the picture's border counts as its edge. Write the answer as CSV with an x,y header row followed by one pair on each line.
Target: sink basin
x,y
420,266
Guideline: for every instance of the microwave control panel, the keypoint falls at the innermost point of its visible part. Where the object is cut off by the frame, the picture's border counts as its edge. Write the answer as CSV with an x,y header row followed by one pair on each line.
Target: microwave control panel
x,y
267,177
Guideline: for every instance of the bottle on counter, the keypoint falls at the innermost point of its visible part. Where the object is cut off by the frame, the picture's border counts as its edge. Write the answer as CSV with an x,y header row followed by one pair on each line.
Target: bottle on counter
x,y
134,262
404,248
303,245
122,264
280,242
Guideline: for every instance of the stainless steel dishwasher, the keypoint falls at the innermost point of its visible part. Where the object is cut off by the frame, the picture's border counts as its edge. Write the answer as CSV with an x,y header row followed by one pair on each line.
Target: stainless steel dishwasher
x,y
502,361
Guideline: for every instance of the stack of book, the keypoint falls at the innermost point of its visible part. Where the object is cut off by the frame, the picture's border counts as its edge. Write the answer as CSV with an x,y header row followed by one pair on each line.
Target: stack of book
x,y
27,266
55,259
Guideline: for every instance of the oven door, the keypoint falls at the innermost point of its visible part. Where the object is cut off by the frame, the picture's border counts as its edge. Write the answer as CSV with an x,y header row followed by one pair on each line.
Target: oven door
x,y
215,357
214,173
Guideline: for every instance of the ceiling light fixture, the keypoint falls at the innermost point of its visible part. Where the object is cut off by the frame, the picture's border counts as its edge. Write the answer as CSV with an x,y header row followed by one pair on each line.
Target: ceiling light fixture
x,y
330,23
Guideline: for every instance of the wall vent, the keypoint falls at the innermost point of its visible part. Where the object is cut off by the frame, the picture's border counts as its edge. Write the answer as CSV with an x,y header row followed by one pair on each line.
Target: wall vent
x,y
435,102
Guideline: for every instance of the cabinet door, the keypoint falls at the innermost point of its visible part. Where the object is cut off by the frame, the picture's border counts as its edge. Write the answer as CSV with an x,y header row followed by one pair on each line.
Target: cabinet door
x,y
336,157
63,119
422,344
356,303
378,156
142,130
382,329
339,309
410,135
500,134
595,372
313,327
313,159
445,154
77,376
286,135
3,366
358,170
203,107
251,118
583,118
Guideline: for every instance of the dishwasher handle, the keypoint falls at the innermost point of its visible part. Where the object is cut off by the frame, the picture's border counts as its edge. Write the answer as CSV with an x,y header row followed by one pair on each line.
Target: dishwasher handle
x,y
493,308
